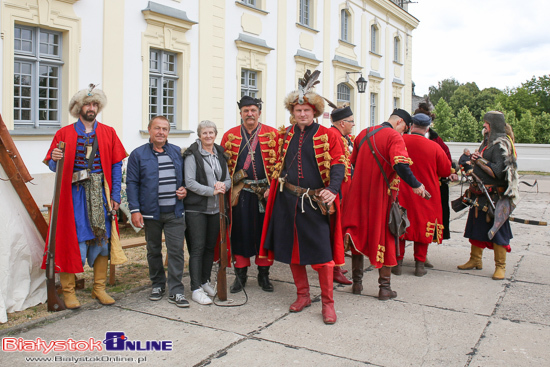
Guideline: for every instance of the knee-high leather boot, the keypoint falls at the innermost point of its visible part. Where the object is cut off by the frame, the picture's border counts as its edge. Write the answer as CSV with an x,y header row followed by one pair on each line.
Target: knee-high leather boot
x,y
476,254
357,273
327,290
303,299
100,279
385,292
68,286
500,262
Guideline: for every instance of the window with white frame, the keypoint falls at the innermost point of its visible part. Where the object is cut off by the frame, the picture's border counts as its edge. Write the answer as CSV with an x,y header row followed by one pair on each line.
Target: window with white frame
x,y
250,2
344,26
163,79
396,47
36,77
343,94
305,12
249,83
373,36
373,103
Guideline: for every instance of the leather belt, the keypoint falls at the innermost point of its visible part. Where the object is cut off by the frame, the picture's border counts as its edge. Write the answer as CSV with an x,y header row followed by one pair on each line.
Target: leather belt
x,y
299,191
490,189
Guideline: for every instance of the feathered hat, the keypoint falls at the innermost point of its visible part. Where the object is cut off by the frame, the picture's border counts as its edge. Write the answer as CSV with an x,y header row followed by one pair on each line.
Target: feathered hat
x,y
305,94
85,96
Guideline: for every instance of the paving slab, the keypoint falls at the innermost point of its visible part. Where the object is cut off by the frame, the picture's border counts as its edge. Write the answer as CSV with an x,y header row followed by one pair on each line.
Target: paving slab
x,y
534,268
383,333
526,302
260,352
507,343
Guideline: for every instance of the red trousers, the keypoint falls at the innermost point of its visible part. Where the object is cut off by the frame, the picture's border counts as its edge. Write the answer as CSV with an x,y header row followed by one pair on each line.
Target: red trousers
x,y
420,251
243,262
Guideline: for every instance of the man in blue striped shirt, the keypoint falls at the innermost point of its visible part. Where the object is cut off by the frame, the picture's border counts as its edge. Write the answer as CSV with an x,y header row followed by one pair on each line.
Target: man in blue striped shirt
x,y
154,185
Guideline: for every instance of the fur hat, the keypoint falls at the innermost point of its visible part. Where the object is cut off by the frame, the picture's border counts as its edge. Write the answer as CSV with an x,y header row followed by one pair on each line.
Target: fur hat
x,y
84,96
305,94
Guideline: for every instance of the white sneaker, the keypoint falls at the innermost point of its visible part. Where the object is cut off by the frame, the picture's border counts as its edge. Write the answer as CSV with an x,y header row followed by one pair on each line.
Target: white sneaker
x,y
208,289
200,297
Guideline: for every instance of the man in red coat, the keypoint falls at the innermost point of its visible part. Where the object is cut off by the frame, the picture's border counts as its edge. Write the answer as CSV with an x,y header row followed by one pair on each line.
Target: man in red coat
x,y
251,147
368,201
342,126
93,147
426,216
309,173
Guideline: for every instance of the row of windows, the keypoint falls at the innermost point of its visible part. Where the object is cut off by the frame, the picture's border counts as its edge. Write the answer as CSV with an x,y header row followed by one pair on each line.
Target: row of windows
x,y
37,79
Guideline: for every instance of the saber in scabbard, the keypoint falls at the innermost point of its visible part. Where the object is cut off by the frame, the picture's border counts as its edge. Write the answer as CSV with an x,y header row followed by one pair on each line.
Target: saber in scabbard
x,y
54,302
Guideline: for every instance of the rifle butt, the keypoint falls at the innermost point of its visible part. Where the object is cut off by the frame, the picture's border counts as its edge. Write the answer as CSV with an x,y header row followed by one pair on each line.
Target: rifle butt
x,y
54,302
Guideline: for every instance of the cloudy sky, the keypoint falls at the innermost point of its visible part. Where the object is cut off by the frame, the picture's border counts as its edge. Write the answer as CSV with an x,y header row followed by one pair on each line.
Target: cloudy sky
x,y
495,43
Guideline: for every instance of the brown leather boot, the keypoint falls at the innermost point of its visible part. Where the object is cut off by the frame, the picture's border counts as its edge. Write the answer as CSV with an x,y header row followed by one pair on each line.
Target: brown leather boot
x,y
357,273
339,277
397,270
385,292
327,290
100,279
428,264
476,254
500,262
303,299
68,286
419,269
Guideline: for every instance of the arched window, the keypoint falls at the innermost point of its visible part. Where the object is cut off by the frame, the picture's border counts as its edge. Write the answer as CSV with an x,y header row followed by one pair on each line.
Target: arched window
x,y
344,22
396,47
343,93
373,36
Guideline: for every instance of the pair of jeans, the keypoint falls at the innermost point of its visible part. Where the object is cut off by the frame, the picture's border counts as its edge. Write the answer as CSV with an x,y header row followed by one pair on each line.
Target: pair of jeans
x,y
174,233
202,234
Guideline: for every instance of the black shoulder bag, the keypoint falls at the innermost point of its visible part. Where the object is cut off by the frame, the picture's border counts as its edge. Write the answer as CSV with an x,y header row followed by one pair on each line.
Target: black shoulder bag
x,y
397,221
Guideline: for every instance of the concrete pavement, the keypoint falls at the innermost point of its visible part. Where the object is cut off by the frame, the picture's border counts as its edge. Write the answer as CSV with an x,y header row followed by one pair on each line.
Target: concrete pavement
x,y
446,318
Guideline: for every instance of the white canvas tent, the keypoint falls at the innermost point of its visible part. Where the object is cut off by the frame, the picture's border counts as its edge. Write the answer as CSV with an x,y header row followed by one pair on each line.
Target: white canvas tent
x,y
22,282
22,234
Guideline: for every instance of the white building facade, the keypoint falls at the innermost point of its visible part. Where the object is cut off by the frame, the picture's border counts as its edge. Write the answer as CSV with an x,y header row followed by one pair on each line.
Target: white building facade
x,y
192,60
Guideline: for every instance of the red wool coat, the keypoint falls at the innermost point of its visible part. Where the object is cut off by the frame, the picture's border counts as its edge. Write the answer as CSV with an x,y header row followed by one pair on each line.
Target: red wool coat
x,y
368,200
67,252
426,216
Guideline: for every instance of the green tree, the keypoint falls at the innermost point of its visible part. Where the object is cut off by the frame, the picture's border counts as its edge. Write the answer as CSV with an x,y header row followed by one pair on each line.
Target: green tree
x,y
466,127
486,99
443,122
466,95
524,130
445,89
519,100
540,87
542,128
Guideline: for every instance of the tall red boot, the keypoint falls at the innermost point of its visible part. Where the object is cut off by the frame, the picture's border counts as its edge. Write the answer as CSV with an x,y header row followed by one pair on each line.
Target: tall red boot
x,y
327,288
302,288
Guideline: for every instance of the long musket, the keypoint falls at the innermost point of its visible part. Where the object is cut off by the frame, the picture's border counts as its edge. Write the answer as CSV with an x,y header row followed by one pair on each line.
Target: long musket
x,y
222,274
54,302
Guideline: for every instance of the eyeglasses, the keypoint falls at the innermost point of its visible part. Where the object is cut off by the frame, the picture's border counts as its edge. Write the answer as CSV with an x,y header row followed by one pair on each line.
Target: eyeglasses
x,y
349,121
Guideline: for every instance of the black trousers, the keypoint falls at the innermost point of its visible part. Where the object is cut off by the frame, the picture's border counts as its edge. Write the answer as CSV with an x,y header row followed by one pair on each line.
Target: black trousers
x,y
202,233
